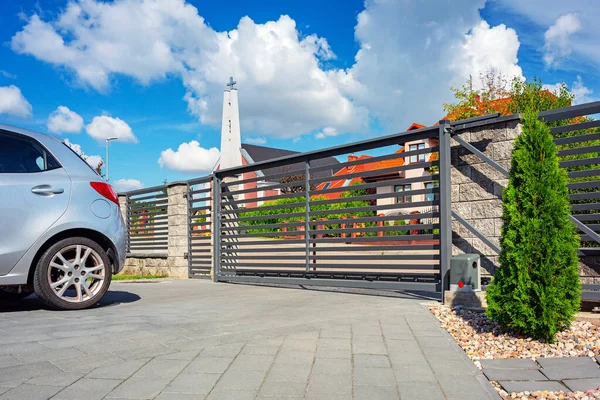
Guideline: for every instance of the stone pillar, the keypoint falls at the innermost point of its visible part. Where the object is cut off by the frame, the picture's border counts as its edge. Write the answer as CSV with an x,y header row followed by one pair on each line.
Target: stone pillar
x,y
476,189
123,205
178,229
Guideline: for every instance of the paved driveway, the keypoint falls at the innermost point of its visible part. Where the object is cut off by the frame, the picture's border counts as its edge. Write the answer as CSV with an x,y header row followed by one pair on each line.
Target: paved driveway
x,y
196,339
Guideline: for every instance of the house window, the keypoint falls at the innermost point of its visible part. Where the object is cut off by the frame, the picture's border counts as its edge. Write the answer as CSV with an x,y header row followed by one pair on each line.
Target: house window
x,y
419,157
401,189
431,196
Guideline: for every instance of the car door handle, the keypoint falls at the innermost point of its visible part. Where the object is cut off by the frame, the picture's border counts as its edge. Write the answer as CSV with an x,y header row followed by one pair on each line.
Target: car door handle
x,y
46,190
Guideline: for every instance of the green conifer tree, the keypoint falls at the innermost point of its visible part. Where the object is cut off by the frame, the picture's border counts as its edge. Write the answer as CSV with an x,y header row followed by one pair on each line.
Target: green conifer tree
x,y
536,290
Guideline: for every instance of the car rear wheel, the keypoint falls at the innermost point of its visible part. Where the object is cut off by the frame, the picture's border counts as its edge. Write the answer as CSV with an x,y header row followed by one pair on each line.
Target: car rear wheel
x,y
72,274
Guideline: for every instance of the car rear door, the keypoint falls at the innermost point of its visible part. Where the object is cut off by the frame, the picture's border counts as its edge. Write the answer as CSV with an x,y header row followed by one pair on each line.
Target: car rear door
x,y
34,194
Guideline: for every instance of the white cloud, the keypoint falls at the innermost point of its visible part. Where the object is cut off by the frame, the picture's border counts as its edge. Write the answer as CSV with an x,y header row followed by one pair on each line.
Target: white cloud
x,y
407,59
409,56
557,38
542,14
124,185
12,102
63,120
256,140
7,74
286,92
189,157
326,132
93,160
103,127
488,48
582,93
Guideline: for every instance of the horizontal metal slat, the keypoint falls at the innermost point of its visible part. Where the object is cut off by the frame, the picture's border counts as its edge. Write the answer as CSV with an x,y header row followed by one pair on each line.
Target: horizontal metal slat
x,y
266,242
263,198
585,196
579,150
584,173
378,172
397,206
577,139
262,234
578,163
347,269
376,229
584,185
593,227
393,156
574,127
369,257
570,112
133,248
154,195
587,217
160,240
585,207
402,238
347,248
372,185
194,209
389,285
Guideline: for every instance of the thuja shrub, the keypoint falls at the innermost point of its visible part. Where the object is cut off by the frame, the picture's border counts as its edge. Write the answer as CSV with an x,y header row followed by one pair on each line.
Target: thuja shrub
x,y
536,290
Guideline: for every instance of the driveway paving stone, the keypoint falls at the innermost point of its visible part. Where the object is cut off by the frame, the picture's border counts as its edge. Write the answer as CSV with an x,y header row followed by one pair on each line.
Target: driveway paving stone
x,y
192,339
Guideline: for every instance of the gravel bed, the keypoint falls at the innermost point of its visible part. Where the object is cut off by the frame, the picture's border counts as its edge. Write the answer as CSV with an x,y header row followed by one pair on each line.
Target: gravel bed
x,y
483,339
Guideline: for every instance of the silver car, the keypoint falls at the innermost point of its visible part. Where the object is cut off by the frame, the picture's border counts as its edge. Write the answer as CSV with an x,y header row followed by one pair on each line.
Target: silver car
x,y
61,230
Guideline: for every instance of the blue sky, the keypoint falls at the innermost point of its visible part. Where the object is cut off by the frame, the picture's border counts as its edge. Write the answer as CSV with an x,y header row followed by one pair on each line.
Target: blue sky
x,y
310,74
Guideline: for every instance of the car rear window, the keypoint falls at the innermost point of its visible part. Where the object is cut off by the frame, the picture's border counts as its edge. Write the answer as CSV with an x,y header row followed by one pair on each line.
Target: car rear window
x,y
21,154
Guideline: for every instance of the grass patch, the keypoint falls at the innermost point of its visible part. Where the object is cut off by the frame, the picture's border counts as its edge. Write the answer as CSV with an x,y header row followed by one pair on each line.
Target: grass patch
x,y
133,277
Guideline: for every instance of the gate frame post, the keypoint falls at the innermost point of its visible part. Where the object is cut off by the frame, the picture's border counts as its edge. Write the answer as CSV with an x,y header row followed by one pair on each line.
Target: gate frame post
x,y
307,213
190,228
445,131
216,231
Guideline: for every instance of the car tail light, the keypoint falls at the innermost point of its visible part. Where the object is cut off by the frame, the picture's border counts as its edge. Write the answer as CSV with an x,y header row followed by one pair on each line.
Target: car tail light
x,y
106,191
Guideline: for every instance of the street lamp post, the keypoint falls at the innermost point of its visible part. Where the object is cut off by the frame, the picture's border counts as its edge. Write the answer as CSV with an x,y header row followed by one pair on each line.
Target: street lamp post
x,y
107,145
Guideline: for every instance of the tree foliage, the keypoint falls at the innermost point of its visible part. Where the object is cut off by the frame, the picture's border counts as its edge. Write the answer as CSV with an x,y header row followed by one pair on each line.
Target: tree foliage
x,y
502,95
536,290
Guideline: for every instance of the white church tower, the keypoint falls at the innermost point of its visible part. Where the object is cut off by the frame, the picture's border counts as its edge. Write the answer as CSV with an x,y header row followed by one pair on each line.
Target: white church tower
x,y
231,140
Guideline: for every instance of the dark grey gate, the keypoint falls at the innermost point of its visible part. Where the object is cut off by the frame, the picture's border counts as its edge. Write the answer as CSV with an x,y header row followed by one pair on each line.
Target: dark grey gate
x,y
200,219
325,227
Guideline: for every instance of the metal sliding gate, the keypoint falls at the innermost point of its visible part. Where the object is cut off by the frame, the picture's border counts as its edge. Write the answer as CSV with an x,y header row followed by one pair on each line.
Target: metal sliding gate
x,y
380,220
200,218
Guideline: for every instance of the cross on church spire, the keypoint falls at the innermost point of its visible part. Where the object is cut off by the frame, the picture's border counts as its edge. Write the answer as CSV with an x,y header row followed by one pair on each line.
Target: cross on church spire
x,y
231,83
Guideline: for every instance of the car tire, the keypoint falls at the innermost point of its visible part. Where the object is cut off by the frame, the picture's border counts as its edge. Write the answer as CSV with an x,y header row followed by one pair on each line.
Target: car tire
x,y
84,285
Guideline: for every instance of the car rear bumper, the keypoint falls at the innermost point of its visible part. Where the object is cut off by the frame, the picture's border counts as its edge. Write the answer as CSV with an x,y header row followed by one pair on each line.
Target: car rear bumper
x,y
116,231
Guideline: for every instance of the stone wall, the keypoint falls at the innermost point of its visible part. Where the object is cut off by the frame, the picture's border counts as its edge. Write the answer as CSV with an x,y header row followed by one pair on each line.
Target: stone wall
x,y
476,189
151,264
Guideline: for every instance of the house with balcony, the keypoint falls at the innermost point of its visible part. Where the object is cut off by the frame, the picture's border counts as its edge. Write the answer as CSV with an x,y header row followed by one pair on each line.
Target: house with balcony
x,y
391,170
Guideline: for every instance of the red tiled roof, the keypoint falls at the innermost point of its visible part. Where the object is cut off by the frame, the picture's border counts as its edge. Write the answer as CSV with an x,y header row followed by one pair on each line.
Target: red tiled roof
x,y
365,167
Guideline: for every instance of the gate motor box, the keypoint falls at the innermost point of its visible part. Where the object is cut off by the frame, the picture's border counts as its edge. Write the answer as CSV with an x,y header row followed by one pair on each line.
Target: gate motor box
x,y
464,272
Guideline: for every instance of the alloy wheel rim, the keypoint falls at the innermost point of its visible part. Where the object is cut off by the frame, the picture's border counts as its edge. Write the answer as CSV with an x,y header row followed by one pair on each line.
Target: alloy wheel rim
x,y
76,273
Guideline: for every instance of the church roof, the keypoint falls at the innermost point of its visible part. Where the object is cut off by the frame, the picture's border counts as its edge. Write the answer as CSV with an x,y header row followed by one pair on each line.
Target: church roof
x,y
263,153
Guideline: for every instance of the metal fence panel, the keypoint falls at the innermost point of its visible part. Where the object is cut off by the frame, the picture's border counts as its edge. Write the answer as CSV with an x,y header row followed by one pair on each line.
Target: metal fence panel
x,y
200,228
351,229
147,221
